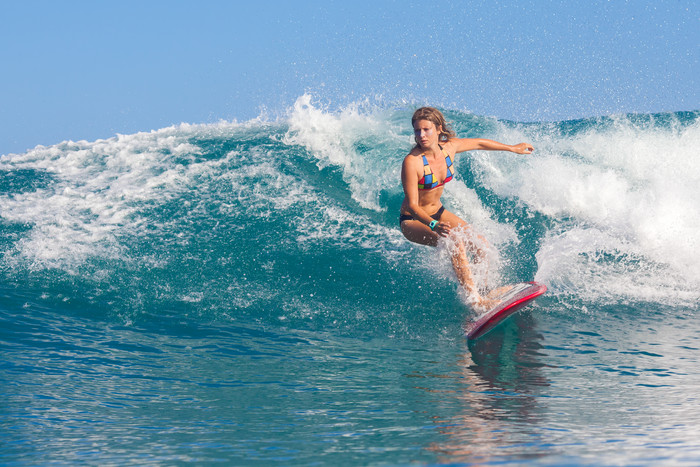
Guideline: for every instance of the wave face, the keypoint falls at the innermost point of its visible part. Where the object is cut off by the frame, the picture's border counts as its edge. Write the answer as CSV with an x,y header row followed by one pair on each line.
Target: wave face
x,y
269,220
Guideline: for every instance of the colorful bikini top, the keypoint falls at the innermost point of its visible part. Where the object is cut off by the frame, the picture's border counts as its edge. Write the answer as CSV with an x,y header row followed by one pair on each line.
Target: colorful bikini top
x,y
428,182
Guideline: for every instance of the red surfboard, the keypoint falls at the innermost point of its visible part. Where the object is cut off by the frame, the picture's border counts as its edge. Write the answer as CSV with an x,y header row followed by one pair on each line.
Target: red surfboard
x,y
512,301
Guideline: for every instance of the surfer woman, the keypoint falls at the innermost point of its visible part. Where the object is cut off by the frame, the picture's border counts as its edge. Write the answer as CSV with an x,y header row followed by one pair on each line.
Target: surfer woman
x,y
424,173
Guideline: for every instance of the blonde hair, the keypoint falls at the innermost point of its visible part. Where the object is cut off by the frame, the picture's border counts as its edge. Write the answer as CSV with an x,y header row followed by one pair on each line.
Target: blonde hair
x,y
433,115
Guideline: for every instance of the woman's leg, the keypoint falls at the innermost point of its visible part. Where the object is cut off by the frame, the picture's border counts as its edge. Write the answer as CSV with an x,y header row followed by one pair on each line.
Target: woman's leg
x,y
460,263
418,232
460,253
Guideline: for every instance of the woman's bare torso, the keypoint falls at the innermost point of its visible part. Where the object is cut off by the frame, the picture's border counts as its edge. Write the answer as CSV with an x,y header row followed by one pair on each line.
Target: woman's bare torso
x,y
428,200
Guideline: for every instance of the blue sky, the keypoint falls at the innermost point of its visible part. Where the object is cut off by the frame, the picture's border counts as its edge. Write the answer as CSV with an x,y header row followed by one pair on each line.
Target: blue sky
x,y
75,70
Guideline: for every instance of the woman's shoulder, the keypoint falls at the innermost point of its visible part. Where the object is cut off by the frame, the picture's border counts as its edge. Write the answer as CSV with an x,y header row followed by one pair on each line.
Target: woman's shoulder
x,y
415,153
451,145
455,145
413,159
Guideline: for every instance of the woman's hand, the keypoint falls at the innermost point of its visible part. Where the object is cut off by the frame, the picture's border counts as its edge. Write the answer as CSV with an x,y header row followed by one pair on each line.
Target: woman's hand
x,y
522,148
442,229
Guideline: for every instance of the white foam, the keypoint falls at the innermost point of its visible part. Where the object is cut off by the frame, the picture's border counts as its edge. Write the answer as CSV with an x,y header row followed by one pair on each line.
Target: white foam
x,y
465,203
333,139
626,190
95,193
99,192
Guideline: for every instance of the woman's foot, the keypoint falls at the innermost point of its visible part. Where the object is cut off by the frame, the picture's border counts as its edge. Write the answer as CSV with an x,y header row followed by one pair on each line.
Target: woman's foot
x,y
496,294
483,304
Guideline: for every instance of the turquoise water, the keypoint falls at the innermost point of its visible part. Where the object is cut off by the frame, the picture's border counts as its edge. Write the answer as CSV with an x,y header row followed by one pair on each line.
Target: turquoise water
x,y
239,293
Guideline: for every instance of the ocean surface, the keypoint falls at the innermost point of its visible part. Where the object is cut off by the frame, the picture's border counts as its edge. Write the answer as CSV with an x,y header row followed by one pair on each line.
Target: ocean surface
x,y
239,293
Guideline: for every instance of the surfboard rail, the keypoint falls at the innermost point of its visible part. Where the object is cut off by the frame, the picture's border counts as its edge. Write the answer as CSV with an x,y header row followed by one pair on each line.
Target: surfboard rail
x,y
514,300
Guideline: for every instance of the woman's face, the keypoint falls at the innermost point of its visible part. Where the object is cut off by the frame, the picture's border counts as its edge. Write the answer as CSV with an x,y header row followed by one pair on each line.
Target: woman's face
x,y
425,133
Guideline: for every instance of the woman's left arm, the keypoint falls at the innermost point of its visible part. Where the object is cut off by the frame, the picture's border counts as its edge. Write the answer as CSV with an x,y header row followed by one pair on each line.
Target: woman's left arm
x,y
470,144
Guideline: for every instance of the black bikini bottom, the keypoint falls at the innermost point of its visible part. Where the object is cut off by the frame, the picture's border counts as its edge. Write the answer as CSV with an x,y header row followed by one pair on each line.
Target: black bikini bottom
x,y
408,217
